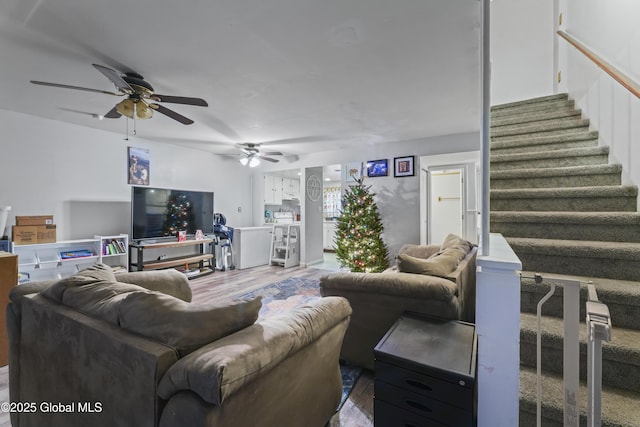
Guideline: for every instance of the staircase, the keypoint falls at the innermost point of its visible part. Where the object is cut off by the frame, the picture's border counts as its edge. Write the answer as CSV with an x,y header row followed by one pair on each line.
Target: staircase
x,y
561,206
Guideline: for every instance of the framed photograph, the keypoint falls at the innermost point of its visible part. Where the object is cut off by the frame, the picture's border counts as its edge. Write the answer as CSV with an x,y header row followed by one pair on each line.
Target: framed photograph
x,y
352,171
377,168
403,166
139,163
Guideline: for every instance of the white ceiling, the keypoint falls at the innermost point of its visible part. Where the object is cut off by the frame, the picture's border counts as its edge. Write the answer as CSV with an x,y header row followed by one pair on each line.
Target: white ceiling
x,y
301,75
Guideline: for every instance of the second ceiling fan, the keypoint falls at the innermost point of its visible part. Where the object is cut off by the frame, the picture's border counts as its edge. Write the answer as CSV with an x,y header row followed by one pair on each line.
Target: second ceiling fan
x,y
141,100
252,154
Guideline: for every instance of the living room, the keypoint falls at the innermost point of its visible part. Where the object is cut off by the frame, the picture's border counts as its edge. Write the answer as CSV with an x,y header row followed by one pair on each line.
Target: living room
x,y
69,161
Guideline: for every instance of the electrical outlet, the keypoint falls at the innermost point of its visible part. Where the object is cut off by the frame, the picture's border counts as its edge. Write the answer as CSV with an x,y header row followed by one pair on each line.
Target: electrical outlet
x,y
239,209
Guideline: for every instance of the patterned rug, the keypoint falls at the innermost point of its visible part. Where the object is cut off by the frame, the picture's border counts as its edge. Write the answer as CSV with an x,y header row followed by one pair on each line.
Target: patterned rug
x,y
293,292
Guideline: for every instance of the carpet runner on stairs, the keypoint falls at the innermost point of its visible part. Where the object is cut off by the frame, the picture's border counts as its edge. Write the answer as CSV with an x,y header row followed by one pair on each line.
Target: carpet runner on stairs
x,y
562,207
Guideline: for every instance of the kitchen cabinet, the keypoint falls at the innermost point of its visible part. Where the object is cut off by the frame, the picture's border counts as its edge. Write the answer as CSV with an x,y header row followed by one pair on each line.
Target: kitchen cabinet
x,y
290,189
272,190
329,235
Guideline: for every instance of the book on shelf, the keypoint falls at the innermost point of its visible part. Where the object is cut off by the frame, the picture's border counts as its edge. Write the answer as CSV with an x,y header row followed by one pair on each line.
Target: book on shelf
x,y
80,253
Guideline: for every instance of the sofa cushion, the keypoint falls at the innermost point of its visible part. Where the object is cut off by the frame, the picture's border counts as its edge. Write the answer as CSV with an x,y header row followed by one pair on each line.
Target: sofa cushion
x,y
456,242
183,325
92,291
440,264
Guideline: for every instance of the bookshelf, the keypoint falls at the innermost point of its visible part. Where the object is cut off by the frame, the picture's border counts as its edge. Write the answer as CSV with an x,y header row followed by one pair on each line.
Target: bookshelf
x,y
48,261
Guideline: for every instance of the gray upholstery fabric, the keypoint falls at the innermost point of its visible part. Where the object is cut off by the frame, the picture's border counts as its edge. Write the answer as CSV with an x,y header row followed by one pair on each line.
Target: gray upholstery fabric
x,y
217,370
378,299
93,274
169,282
183,325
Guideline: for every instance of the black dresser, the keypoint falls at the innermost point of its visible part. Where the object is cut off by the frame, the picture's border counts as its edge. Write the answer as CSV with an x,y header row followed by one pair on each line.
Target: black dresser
x,y
425,374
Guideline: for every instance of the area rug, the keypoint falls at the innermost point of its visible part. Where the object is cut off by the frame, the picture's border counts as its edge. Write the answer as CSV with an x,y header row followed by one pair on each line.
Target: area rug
x,y
293,292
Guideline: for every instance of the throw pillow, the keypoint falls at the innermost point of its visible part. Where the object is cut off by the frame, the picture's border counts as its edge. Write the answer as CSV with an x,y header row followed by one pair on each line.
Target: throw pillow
x,y
89,275
439,265
183,325
453,241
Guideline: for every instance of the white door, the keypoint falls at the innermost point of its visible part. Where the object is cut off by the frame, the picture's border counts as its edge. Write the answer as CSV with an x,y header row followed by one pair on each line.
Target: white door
x,y
445,203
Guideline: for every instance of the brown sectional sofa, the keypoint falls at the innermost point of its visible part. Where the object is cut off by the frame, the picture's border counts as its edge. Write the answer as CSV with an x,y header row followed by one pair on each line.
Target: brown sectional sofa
x,y
130,353
378,299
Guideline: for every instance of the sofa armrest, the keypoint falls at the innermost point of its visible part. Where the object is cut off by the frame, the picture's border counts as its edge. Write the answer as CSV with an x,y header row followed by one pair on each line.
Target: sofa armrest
x,y
217,370
170,282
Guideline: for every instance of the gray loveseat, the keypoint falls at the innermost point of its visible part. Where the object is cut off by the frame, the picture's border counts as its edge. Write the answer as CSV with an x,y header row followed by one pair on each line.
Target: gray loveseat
x,y
130,350
430,279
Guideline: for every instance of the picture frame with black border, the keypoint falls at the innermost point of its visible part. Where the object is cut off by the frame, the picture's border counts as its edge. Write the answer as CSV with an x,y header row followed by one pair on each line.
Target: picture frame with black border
x,y
377,168
403,166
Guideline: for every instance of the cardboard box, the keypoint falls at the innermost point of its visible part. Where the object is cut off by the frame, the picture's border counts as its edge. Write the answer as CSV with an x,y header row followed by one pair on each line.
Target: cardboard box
x,y
34,220
31,234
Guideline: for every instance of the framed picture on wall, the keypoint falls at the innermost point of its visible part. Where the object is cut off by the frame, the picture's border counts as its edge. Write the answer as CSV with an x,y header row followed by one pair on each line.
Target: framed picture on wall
x,y
352,171
403,166
377,168
139,166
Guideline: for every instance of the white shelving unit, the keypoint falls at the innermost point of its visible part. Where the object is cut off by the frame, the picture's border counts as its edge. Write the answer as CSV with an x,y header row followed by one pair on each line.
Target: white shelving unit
x,y
46,261
285,245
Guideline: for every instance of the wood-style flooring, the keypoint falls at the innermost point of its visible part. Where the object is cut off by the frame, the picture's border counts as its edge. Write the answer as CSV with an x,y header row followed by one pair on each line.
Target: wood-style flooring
x,y
357,410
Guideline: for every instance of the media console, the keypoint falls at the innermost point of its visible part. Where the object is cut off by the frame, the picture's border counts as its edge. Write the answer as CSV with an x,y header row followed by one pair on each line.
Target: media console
x,y
203,254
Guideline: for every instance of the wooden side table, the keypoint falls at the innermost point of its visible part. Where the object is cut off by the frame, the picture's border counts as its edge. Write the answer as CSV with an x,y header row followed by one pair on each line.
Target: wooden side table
x,y
8,280
425,373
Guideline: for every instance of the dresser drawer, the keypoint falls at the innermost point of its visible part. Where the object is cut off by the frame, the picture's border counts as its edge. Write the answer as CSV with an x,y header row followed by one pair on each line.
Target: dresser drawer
x,y
387,415
420,405
424,385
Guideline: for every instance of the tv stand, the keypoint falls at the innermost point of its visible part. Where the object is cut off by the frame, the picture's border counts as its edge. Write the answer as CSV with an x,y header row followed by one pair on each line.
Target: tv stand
x,y
160,262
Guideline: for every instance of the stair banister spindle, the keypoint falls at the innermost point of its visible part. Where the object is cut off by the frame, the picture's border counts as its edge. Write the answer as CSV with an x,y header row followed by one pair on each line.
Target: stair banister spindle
x,y
544,299
598,322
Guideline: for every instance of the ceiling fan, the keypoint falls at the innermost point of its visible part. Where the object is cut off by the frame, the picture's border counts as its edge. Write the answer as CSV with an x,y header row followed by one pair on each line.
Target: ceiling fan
x,y
140,101
252,154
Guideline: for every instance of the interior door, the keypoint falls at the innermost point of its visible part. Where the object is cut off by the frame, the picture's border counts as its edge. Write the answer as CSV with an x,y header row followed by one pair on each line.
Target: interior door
x,y
446,201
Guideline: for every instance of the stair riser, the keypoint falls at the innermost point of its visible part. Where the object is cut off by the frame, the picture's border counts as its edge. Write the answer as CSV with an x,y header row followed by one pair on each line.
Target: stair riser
x,y
599,159
622,315
535,148
557,181
533,107
528,129
612,268
529,118
558,133
578,204
614,373
528,419
564,231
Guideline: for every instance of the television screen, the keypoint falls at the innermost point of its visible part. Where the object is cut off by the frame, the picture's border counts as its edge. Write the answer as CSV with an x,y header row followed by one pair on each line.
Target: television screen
x,y
377,168
161,212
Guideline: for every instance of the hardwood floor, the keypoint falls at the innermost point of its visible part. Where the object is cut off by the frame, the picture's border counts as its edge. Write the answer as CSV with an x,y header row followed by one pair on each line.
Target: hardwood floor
x,y
357,410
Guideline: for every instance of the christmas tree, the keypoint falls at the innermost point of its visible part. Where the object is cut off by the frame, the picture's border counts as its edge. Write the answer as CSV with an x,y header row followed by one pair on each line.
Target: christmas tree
x,y
359,244
178,214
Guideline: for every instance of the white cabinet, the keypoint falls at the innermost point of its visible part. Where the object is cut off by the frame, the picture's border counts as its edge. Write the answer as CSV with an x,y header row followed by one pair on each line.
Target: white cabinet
x,y
329,235
290,189
251,246
272,190
45,261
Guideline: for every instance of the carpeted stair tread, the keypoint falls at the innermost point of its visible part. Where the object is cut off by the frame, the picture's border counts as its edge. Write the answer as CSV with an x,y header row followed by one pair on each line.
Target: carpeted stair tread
x,y
534,117
553,133
540,99
562,176
553,154
623,347
547,126
582,192
600,226
526,141
620,408
537,108
577,248
621,296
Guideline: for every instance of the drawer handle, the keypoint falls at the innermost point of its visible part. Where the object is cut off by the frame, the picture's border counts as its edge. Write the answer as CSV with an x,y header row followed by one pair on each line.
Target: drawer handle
x,y
418,405
418,384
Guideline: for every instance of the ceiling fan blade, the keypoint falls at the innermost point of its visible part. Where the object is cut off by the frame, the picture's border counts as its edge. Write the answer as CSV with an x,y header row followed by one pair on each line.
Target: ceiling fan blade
x,y
115,77
273,153
268,159
36,82
179,100
170,113
113,114
86,113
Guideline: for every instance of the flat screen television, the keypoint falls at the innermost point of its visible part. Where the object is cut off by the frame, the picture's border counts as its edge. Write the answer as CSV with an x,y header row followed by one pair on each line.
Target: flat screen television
x,y
162,212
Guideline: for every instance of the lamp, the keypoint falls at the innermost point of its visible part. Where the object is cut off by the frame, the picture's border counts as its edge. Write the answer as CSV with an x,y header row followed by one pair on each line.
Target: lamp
x,y
129,107
126,108
254,162
244,161
143,111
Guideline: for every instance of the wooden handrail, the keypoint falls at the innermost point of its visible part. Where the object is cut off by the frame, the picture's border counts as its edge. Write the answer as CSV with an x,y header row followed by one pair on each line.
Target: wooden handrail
x,y
617,75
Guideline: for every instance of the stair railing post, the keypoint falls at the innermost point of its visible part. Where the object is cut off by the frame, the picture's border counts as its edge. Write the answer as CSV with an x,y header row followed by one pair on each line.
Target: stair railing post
x,y
544,299
598,328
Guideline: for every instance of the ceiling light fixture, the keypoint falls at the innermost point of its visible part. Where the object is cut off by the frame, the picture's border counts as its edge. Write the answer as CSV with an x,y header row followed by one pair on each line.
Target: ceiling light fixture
x,y
129,107
254,162
244,161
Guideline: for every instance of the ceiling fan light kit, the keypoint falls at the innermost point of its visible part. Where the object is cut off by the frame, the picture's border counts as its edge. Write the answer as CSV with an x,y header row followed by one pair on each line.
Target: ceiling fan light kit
x,y
137,92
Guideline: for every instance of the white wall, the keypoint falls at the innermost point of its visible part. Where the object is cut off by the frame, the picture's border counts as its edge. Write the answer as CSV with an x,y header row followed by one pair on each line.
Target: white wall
x,y
79,175
610,29
398,198
522,34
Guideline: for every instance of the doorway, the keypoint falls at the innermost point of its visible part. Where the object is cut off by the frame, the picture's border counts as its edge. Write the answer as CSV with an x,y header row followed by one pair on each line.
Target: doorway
x,y
446,200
